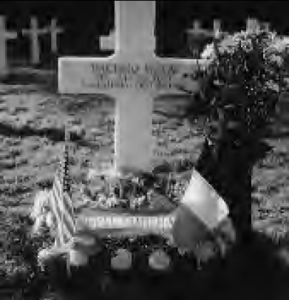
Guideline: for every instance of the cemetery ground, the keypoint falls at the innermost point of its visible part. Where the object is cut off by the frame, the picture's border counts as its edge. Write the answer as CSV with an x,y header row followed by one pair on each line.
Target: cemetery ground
x,y
32,115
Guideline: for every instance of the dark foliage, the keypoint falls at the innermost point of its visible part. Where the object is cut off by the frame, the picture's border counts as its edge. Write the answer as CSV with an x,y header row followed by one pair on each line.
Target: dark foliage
x,y
248,271
26,280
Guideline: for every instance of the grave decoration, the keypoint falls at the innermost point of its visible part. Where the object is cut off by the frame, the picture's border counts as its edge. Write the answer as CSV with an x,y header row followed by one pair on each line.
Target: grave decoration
x,y
140,214
246,73
131,210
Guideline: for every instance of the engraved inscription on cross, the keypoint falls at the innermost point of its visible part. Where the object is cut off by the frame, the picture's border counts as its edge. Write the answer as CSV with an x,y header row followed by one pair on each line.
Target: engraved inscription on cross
x,y
133,75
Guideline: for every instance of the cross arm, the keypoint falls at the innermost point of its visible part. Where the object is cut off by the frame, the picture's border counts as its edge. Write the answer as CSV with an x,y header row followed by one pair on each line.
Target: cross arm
x,y
11,35
36,32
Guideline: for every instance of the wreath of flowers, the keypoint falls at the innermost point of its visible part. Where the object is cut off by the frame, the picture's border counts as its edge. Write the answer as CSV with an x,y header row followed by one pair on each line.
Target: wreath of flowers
x,y
136,191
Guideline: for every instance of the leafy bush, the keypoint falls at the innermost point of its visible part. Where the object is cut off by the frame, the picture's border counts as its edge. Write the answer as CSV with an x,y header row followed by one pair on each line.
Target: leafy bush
x,y
24,278
246,72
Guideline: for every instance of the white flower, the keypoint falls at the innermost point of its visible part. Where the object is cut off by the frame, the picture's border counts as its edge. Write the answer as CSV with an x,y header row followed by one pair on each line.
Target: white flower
x,y
276,59
273,86
137,202
209,52
40,205
228,45
43,254
38,225
50,220
247,46
281,44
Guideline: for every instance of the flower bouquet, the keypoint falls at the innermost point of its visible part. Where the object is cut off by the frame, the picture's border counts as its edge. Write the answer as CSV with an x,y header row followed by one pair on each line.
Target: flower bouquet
x,y
245,74
136,190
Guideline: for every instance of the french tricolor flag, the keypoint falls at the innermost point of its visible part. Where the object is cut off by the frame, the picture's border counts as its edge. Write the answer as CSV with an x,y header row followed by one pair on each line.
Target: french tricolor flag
x,y
201,210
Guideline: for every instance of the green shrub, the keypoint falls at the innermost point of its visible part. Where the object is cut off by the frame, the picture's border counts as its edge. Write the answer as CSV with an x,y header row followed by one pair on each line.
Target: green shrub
x,y
246,71
24,278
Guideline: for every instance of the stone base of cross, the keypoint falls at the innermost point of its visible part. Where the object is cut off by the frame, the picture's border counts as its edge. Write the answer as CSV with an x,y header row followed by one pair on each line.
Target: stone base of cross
x,y
134,76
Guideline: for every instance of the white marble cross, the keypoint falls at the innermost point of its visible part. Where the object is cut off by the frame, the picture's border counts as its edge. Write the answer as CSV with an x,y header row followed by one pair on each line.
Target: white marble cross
x,y
34,32
133,75
5,35
198,30
107,42
197,33
252,24
54,31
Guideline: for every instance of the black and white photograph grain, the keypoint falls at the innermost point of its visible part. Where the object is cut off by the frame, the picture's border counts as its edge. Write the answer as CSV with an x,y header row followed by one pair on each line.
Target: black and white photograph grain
x,y
144,150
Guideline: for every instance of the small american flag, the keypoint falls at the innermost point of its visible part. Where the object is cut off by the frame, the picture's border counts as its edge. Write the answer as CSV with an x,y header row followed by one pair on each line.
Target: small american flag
x,y
61,201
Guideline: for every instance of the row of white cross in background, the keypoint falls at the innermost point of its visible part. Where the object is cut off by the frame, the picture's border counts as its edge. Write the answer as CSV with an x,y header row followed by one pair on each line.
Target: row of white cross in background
x,y
33,33
106,42
196,32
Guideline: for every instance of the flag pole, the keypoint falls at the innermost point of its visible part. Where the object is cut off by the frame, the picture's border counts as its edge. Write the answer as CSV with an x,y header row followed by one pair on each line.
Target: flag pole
x,y
65,152
66,136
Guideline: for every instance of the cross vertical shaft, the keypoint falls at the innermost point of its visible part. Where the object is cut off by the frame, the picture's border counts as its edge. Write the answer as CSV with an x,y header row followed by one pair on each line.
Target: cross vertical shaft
x,y
135,22
4,37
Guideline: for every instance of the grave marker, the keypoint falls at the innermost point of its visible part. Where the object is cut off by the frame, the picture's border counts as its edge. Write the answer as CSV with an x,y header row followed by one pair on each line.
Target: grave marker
x,y
199,31
33,33
108,42
133,75
252,24
5,35
197,35
54,31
